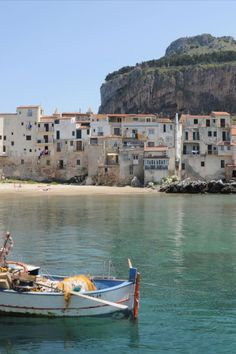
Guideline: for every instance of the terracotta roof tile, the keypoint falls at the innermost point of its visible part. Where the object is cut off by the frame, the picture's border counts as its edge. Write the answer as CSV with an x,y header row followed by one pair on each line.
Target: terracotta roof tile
x,y
220,113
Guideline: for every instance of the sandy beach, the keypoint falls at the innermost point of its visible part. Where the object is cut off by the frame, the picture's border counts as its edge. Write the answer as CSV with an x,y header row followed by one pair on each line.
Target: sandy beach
x,y
61,189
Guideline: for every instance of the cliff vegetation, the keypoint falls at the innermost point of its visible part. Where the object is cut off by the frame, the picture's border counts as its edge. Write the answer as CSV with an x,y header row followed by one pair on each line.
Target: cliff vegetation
x,y
197,75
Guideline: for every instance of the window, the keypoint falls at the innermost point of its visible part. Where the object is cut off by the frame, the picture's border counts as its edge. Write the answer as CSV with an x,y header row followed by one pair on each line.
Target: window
x,y
57,121
0,137
208,123
73,133
164,128
88,131
58,134
12,143
116,131
100,131
183,166
184,150
78,162
209,133
186,135
224,136
196,136
58,147
148,120
135,157
60,164
45,138
39,125
202,163
215,134
79,146
46,126
234,173
195,121
222,163
209,149
29,113
30,150
222,122
28,137
12,133
71,143
105,169
195,150
151,143
78,134
4,148
171,126
22,162
4,138
22,123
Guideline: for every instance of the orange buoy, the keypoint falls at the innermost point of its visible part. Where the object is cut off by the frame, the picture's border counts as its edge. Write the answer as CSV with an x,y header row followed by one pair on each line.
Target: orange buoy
x,y
136,296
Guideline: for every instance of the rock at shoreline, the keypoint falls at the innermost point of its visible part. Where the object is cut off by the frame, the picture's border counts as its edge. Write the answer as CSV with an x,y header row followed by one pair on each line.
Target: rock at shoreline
x,y
193,187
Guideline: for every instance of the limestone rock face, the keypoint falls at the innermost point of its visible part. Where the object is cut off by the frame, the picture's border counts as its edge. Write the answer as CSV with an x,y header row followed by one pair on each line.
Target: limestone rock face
x,y
198,88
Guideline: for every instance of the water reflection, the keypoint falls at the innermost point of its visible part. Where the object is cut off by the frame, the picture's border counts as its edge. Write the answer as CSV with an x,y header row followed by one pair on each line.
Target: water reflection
x,y
64,333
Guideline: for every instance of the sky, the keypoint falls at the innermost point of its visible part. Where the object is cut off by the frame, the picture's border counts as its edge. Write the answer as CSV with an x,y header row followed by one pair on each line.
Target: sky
x,y
57,53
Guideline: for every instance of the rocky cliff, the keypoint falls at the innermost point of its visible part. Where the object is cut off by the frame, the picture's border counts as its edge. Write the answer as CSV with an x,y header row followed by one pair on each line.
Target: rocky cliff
x,y
197,75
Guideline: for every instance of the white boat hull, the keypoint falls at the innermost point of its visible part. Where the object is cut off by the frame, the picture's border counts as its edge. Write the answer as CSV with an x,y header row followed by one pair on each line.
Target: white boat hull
x,y
54,304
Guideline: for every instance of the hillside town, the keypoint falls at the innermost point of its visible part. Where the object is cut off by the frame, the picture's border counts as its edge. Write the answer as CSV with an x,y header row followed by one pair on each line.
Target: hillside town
x,y
115,149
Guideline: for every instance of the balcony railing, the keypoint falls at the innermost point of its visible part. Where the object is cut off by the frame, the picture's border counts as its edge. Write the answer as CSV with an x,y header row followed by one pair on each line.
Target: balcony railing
x,y
155,167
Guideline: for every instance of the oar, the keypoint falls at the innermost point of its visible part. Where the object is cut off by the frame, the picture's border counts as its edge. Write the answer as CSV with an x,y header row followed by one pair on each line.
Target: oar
x,y
105,302
129,263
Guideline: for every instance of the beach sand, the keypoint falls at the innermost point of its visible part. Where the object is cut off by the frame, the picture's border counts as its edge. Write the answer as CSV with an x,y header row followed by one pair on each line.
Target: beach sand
x,y
61,189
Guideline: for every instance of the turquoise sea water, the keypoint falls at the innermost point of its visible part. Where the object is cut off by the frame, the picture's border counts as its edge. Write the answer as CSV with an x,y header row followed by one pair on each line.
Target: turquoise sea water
x,y
183,245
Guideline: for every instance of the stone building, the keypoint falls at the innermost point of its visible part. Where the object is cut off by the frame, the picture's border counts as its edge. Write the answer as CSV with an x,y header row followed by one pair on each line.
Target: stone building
x,y
205,146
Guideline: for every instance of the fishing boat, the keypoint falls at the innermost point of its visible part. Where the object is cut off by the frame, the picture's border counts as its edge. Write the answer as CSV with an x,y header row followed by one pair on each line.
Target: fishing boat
x,y
25,291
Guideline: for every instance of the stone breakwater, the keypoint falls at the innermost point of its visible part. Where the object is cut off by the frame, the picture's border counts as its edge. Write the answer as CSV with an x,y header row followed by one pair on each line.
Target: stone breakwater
x,y
188,186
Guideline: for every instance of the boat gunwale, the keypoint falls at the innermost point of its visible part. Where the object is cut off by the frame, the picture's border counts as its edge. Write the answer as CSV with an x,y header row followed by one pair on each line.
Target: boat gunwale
x,y
124,284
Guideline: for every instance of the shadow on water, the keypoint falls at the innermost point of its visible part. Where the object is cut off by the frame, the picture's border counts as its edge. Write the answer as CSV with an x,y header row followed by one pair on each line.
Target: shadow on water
x,y
67,333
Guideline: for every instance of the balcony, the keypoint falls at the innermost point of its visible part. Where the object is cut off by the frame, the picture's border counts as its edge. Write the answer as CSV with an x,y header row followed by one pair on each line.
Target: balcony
x,y
155,167
46,130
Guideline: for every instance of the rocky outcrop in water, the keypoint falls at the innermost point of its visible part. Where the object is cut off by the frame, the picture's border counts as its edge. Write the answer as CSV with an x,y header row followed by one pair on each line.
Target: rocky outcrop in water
x,y
197,75
193,187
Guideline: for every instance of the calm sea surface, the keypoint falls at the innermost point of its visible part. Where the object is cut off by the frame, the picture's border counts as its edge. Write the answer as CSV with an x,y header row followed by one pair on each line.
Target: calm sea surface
x,y
184,247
